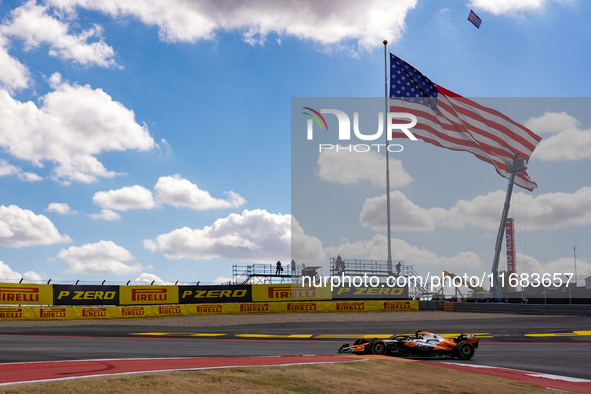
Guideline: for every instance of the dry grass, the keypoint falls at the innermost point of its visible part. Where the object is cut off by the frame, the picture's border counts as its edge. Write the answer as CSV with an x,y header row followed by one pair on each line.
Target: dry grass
x,y
375,376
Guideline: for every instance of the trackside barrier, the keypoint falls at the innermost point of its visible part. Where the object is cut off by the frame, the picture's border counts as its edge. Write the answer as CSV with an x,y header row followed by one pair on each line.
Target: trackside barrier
x,y
99,295
116,312
531,309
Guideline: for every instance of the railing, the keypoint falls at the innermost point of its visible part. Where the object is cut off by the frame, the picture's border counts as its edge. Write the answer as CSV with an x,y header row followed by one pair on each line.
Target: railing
x,y
253,274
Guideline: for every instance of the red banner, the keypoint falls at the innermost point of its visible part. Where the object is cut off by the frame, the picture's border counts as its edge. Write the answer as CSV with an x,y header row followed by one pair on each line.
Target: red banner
x,y
510,246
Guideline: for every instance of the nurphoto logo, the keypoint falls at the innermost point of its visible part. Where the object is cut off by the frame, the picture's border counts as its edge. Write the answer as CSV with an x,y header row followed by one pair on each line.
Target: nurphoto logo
x,y
344,129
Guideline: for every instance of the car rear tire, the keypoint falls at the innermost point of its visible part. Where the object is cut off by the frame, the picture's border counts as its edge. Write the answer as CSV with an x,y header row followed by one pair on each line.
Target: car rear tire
x,y
465,350
379,348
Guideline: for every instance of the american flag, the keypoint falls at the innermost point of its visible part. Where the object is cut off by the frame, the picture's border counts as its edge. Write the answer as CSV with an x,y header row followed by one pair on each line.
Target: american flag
x,y
451,121
475,19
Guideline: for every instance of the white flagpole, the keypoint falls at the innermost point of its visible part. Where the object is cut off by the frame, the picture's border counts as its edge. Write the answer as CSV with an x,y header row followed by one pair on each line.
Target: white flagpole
x,y
387,158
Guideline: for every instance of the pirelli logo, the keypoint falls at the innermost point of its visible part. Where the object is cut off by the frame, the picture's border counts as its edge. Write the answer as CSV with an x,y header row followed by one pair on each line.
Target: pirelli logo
x,y
254,307
396,305
52,313
169,310
350,306
19,294
149,294
94,312
212,308
283,292
132,311
11,313
301,307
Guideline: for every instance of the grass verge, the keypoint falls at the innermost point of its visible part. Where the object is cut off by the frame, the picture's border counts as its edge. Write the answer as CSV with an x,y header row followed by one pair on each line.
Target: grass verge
x,y
374,376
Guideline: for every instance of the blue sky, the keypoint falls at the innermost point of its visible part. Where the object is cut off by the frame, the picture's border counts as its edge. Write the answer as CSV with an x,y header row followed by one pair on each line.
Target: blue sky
x,y
153,142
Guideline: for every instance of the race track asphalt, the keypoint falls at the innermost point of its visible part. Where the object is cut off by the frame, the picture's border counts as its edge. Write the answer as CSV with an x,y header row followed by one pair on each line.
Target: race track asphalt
x,y
553,345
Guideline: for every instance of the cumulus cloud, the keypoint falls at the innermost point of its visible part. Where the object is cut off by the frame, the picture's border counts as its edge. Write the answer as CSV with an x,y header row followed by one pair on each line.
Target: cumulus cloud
x,y
510,7
148,279
34,26
530,265
169,190
376,247
221,280
22,227
29,177
257,236
107,215
73,124
103,257
7,274
8,169
179,192
32,276
61,208
349,168
305,248
14,75
546,211
568,141
126,198
405,215
367,22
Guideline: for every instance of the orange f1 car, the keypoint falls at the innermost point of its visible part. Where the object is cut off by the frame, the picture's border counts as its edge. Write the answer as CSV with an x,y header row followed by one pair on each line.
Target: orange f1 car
x,y
419,344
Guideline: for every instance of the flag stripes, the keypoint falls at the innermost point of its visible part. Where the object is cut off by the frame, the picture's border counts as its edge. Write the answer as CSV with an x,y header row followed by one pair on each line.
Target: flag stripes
x,y
460,124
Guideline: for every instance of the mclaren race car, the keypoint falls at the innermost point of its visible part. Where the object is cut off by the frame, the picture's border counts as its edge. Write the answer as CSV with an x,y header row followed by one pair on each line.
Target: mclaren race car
x,y
419,344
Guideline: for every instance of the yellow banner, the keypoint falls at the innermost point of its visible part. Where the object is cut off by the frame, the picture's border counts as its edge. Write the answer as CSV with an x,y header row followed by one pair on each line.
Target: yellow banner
x,y
26,294
289,292
116,312
147,295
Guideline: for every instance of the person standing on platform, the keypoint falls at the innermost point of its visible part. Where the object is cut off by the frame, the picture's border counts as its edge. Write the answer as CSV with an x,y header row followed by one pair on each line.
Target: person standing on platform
x,y
279,268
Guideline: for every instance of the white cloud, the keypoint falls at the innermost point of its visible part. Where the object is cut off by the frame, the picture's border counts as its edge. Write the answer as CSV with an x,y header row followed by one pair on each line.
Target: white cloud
x,y
34,26
349,168
305,248
14,74
7,274
103,257
221,280
73,125
21,227
8,169
129,197
546,211
169,190
29,177
179,192
368,22
530,265
257,236
32,276
106,214
511,7
551,123
375,249
404,213
148,279
61,208
567,142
